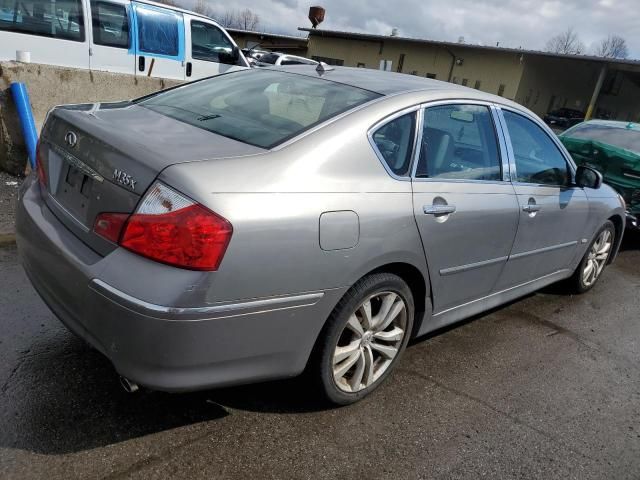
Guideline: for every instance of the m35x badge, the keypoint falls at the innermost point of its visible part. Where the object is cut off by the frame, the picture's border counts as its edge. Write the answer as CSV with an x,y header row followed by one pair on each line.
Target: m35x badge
x,y
124,178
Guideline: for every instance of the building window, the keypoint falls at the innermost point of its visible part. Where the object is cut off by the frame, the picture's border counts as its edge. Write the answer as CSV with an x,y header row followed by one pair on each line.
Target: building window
x,y
501,89
465,82
329,61
361,65
386,65
431,75
477,85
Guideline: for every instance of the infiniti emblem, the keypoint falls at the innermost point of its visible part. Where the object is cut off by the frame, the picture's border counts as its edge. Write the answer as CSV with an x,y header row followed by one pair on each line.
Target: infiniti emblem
x,y
71,138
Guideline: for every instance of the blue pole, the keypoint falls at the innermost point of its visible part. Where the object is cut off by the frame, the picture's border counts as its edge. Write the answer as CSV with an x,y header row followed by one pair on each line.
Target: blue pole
x,y
23,105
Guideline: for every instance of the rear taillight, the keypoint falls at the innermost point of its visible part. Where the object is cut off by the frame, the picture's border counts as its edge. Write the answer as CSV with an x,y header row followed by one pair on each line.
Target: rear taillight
x,y
168,227
42,176
109,225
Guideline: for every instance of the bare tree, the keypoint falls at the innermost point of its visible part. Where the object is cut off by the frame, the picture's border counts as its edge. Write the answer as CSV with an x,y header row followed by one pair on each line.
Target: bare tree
x,y
227,18
613,46
567,42
203,8
247,20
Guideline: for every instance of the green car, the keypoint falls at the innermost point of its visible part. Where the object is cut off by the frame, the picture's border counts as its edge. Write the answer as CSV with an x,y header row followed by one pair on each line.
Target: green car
x,y
612,148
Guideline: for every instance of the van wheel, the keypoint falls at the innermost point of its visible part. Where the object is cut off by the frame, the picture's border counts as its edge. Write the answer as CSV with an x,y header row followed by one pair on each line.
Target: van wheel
x,y
595,259
363,339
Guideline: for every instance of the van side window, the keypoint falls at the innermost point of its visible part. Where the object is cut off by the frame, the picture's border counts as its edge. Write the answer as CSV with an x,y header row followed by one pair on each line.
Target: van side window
x,y
62,19
158,31
208,42
110,24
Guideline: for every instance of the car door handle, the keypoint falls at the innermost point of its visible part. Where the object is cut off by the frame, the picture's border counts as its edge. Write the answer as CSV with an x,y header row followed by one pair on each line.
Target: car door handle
x,y
531,208
438,209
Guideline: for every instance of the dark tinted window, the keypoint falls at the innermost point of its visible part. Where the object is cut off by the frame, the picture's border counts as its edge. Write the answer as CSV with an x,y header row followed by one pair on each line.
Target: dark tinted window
x,y
158,31
395,143
459,142
60,19
259,107
110,24
538,159
271,58
626,138
209,43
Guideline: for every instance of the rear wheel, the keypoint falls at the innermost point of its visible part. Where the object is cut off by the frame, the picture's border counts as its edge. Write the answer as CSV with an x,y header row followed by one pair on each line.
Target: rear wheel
x,y
595,259
363,338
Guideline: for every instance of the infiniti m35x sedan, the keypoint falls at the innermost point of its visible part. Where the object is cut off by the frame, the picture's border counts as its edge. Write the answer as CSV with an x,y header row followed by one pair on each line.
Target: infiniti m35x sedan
x,y
267,222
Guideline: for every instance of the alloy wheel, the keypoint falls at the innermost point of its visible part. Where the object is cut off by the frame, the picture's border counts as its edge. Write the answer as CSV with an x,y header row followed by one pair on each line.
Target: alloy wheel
x,y
597,257
370,341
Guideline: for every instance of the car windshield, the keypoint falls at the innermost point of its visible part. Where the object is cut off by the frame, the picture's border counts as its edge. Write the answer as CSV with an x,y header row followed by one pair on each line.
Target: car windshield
x,y
260,107
626,138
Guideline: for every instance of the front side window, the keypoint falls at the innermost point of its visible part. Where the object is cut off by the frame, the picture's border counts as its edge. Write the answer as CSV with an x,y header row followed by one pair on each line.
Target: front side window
x,y
459,142
61,19
394,141
538,160
110,24
208,43
259,107
158,31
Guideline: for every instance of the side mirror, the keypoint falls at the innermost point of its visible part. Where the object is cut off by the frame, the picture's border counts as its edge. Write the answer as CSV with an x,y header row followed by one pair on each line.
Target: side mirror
x,y
231,57
588,177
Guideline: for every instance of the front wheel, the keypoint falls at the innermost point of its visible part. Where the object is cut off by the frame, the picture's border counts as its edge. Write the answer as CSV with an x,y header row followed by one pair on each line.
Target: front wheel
x,y
363,338
595,259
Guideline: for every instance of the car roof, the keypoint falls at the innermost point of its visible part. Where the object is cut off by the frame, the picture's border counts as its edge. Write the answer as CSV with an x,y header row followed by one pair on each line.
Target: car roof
x,y
391,83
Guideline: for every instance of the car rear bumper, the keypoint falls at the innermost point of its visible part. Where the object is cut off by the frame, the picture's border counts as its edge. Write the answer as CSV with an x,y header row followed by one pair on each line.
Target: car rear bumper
x,y
165,347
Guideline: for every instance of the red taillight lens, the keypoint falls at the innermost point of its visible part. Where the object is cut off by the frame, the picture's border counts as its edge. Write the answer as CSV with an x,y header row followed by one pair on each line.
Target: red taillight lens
x,y
170,228
42,176
109,225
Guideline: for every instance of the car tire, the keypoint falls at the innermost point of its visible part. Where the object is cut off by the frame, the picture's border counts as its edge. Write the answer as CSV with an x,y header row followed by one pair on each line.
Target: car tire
x,y
595,259
363,339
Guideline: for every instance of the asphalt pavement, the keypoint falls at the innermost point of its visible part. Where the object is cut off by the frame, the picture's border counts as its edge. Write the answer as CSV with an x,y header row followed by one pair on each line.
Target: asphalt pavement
x,y
547,387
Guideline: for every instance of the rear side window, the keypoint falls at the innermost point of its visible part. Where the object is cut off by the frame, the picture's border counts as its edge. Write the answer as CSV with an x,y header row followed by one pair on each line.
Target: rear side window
x,y
158,31
61,19
538,160
394,141
459,142
271,58
259,107
110,24
208,42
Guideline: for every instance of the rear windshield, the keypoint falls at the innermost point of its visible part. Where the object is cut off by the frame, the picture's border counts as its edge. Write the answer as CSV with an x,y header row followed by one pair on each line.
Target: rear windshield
x,y
259,107
626,138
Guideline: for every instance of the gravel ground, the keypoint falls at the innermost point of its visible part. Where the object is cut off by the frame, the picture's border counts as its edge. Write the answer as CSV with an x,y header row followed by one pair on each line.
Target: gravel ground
x,y
8,196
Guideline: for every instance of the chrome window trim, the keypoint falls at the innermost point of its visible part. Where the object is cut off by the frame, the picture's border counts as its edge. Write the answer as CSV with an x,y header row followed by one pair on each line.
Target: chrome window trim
x,y
388,119
504,165
549,133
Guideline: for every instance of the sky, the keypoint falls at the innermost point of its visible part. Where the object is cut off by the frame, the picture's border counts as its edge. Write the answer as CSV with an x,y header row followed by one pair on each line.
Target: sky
x,y
513,23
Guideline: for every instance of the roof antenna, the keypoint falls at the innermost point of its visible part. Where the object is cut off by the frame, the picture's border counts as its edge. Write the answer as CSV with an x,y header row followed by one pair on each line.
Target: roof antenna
x,y
323,67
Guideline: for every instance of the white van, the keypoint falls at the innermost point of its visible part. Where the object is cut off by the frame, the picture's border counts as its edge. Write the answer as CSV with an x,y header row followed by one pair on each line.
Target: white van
x,y
126,36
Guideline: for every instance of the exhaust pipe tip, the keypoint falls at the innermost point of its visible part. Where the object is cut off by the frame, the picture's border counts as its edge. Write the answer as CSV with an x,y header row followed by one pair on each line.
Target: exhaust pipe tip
x,y
128,385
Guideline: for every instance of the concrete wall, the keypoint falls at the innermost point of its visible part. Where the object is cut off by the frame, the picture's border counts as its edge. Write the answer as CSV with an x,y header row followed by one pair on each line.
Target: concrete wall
x,y
50,86
492,69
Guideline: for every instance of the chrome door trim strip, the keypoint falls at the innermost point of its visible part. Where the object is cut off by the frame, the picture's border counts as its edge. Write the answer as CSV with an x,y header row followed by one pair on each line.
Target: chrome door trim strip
x,y
543,250
472,266
203,313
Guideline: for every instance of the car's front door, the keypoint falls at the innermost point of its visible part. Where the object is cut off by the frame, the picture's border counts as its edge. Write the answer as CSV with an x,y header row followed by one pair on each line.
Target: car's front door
x,y
209,49
464,205
553,212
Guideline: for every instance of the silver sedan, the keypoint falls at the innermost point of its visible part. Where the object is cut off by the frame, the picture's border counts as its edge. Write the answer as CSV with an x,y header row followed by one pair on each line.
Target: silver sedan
x,y
264,223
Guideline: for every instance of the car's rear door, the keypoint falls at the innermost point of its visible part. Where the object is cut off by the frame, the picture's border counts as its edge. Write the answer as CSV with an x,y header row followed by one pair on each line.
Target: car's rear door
x,y
553,211
464,205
